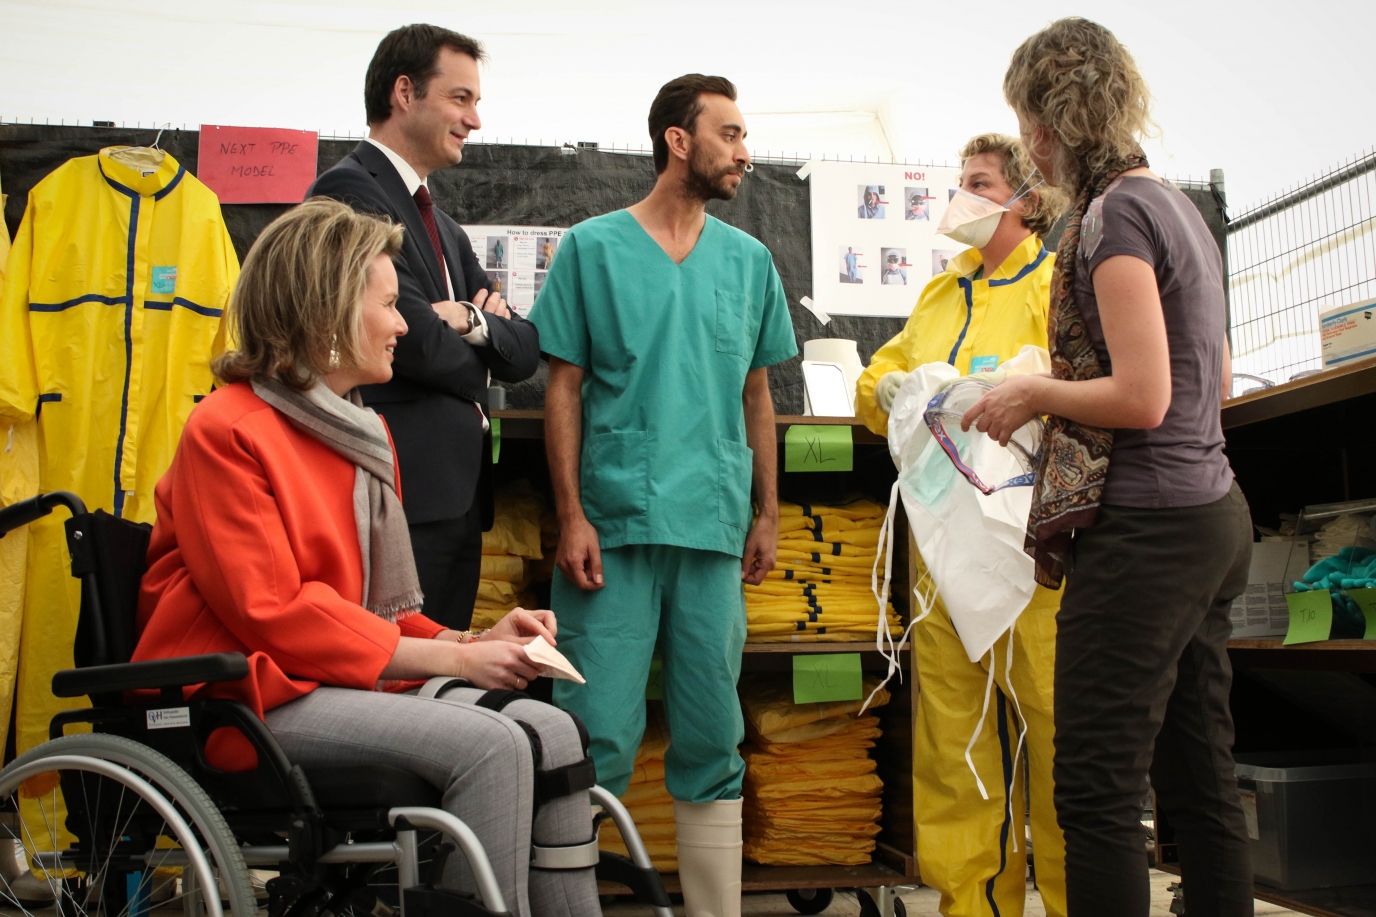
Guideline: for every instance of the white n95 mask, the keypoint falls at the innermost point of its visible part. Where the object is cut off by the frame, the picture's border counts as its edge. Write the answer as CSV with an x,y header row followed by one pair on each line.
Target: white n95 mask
x,y
971,219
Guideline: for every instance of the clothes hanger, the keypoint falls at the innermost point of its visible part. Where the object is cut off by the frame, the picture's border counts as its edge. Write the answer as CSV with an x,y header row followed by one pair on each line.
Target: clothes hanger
x,y
143,159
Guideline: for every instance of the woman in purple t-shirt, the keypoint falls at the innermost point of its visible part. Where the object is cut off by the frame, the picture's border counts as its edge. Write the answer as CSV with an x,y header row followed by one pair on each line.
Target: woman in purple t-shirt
x,y
1135,504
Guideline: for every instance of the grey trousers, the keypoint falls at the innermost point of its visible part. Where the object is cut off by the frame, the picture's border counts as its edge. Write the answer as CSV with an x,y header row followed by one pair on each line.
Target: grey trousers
x,y
480,759
1142,685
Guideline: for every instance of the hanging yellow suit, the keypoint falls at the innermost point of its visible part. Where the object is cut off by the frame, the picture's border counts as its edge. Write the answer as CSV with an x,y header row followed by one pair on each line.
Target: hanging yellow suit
x,y
109,316
969,848
18,481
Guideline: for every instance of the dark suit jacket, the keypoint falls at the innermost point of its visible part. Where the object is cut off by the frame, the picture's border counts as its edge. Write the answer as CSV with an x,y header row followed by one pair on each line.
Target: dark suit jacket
x,y
446,460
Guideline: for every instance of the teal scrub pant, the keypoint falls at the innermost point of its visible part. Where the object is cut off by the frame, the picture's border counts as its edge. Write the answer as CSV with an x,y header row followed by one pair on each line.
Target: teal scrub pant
x,y
691,603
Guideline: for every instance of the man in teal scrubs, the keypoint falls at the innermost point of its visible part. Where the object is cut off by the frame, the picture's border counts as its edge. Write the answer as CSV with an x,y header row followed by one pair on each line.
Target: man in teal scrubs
x,y
659,322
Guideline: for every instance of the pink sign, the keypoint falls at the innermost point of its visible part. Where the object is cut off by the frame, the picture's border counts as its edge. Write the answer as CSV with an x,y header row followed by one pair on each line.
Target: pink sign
x,y
257,165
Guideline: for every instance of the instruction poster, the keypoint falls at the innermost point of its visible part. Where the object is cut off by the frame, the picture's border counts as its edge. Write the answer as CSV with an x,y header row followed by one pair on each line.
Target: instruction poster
x,y
516,259
874,238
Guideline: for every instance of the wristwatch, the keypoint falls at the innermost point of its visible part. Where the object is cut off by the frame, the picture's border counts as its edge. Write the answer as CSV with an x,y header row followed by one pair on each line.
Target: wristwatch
x,y
473,320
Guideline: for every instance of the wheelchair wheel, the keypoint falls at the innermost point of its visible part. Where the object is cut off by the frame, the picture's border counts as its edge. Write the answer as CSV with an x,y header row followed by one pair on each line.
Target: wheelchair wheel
x,y
101,843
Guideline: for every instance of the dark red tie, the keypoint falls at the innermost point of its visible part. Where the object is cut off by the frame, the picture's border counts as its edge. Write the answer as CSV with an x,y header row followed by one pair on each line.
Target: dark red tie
x,y
427,215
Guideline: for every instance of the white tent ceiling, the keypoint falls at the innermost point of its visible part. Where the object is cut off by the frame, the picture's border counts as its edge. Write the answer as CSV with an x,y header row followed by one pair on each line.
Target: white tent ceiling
x,y
1270,91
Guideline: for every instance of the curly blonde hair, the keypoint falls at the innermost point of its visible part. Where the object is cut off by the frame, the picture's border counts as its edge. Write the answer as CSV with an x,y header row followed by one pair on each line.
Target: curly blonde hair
x,y
299,299
1077,79
1044,205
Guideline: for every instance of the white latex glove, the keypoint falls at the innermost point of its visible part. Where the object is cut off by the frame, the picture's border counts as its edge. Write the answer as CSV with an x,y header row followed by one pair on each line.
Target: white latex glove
x,y
887,388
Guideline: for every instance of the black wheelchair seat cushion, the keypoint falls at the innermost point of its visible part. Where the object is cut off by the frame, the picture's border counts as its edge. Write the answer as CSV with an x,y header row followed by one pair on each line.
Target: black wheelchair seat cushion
x,y
369,786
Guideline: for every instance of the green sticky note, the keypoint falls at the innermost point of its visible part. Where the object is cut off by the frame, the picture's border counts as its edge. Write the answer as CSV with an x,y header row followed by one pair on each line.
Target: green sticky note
x,y
1366,601
496,439
827,677
818,448
654,685
1311,616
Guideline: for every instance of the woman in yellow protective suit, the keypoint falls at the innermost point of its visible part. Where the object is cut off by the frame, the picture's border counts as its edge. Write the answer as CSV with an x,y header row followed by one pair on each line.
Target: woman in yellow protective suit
x,y
978,313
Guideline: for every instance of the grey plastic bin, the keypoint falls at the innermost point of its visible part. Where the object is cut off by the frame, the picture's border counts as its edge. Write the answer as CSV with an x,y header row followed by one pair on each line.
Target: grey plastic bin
x,y
1311,817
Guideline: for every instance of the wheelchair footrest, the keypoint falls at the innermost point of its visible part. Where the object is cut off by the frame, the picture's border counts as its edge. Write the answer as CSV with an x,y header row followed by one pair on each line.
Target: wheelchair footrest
x,y
643,881
426,901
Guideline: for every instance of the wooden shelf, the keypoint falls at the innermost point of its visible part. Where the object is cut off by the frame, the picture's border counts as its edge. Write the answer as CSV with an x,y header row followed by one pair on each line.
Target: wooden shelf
x,y
1270,653
778,657
531,425
1327,387
755,878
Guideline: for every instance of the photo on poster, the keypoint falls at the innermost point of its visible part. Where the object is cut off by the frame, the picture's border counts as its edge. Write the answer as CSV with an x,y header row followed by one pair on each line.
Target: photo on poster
x,y
852,271
500,283
895,261
498,251
539,281
544,252
919,204
940,259
870,199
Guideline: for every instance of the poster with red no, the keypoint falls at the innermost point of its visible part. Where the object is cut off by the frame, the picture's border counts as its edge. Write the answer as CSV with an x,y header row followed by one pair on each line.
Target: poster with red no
x,y
257,165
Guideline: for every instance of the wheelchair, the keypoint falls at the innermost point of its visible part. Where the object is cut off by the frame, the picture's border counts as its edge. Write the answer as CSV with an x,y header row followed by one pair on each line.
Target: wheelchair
x,y
143,820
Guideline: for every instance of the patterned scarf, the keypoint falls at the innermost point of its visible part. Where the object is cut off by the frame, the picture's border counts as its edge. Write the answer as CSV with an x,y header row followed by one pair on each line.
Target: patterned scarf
x,y
390,584
1070,481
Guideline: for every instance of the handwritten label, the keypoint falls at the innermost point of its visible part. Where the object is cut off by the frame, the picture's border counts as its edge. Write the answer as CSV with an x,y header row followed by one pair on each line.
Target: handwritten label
x,y
1366,601
257,165
818,448
827,677
1311,616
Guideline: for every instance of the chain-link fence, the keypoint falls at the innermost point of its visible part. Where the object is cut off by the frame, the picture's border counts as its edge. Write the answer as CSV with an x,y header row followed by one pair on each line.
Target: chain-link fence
x,y
1302,252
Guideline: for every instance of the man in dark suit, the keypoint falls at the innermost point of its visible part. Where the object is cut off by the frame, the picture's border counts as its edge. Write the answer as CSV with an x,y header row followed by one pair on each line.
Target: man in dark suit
x,y
421,93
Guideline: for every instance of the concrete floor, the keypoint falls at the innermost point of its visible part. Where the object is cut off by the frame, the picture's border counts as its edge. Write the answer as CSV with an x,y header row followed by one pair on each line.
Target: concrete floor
x,y
923,902
920,902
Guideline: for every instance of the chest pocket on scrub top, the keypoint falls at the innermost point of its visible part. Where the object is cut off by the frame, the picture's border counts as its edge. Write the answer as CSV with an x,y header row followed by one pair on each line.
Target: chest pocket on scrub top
x,y
615,475
735,329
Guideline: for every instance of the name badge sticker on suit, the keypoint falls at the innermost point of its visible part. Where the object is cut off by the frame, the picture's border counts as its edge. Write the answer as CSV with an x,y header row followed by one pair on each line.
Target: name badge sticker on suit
x,y
164,279
985,364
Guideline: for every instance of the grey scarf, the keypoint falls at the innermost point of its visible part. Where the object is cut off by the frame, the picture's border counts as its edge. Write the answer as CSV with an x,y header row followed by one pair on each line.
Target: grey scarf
x,y
390,584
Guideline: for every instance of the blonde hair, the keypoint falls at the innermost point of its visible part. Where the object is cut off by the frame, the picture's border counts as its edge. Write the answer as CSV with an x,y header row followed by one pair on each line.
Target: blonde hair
x,y
298,301
1075,78
1044,206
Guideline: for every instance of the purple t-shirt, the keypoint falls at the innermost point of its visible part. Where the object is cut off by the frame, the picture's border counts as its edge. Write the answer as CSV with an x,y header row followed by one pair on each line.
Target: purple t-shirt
x,y
1181,462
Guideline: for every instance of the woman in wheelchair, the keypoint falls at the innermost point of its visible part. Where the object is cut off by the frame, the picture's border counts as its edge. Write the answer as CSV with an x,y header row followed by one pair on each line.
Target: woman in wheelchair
x,y
280,535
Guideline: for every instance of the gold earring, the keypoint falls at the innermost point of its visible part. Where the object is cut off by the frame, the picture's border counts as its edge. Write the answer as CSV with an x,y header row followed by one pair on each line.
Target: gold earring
x,y
335,361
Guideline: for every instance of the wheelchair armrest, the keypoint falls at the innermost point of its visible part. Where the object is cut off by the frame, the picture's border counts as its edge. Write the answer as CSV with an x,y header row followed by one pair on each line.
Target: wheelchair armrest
x,y
156,673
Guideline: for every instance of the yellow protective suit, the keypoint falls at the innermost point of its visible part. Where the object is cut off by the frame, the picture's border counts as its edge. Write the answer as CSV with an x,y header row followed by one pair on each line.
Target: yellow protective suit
x,y
966,844
18,481
109,317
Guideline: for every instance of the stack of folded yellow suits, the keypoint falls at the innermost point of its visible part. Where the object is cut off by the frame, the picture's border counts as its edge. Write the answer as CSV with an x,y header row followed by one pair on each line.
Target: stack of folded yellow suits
x,y
812,797
512,553
647,800
821,588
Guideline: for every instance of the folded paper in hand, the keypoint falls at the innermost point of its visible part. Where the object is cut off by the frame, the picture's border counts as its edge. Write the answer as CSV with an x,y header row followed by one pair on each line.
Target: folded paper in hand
x,y
552,662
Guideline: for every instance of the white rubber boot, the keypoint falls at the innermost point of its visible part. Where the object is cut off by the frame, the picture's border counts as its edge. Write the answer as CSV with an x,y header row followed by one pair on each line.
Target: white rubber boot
x,y
709,857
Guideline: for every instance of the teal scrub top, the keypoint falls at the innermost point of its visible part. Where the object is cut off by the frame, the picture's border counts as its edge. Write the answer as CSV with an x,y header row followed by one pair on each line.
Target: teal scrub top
x,y
664,348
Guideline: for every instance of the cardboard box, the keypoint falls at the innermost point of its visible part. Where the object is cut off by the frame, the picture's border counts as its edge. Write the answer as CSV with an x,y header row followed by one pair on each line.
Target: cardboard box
x,y
1261,610
1348,333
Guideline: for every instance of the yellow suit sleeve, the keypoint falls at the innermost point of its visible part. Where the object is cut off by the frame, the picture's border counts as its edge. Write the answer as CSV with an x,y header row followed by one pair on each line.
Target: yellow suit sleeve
x,y
892,357
18,370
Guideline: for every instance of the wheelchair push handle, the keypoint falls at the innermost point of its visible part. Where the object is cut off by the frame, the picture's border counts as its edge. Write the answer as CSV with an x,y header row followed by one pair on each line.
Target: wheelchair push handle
x,y
26,511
